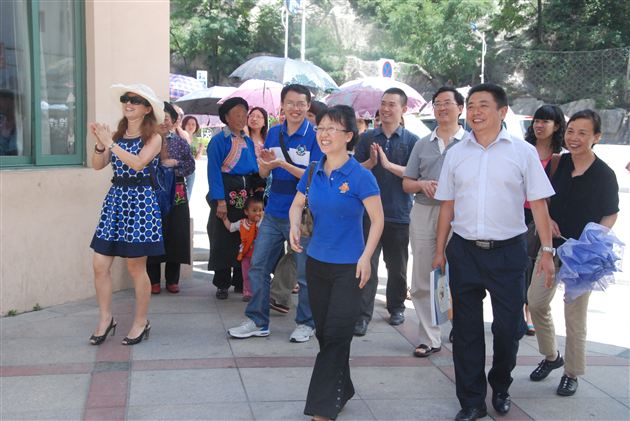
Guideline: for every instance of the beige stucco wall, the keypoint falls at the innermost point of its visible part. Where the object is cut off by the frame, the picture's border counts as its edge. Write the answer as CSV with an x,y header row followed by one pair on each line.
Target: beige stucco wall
x,y
48,215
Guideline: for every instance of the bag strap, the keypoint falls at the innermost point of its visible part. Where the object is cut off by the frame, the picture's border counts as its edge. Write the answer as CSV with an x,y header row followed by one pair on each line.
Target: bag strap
x,y
555,161
284,148
311,169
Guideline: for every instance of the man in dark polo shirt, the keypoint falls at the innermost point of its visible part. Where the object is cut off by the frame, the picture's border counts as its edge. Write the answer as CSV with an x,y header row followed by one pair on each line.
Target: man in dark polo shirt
x,y
385,151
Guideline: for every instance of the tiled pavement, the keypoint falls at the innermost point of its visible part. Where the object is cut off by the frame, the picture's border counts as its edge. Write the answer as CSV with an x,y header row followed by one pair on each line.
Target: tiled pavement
x,y
188,369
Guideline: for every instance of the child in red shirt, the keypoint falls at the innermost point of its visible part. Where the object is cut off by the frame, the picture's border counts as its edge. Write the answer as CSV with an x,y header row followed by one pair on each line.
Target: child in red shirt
x,y
248,229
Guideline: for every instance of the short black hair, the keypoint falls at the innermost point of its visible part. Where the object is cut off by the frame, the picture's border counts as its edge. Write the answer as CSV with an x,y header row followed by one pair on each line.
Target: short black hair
x,y
296,87
317,107
588,114
497,92
255,198
459,98
344,115
549,112
399,92
171,111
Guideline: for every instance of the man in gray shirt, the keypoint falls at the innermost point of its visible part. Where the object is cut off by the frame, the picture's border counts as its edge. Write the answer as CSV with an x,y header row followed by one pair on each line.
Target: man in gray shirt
x,y
420,177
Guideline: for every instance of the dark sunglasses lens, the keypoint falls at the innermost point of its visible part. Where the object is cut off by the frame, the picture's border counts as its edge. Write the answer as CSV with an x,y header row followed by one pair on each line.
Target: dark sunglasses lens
x,y
134,100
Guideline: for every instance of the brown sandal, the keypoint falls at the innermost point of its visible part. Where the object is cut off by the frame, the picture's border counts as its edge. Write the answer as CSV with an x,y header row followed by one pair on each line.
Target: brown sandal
x,y
423,351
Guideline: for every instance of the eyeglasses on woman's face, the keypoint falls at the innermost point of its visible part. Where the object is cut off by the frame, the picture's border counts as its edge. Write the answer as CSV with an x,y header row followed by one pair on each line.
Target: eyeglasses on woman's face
x,y
329,130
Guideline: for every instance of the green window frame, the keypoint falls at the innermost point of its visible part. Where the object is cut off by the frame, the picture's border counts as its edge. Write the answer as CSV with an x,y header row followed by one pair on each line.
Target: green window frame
x,y
37,158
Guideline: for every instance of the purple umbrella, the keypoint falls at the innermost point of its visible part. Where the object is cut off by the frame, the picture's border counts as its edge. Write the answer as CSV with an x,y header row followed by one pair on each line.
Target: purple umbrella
x,y
259,93
180,85
364,95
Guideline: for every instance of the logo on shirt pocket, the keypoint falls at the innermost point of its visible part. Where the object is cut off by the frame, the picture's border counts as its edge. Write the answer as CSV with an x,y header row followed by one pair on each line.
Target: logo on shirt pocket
x,y
300,150
345,187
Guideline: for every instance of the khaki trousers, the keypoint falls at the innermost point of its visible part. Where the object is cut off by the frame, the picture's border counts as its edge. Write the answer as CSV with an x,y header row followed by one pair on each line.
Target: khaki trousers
x,y
539,299
422,232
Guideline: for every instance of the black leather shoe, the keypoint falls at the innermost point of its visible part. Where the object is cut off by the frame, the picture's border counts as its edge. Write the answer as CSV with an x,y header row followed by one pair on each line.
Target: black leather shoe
x,y
397,318
545,367
471,414
501,402
360,328
567,387
222,294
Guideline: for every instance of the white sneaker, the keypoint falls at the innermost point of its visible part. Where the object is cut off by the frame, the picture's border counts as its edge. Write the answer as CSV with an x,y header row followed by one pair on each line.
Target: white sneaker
x,y
248,329
302,333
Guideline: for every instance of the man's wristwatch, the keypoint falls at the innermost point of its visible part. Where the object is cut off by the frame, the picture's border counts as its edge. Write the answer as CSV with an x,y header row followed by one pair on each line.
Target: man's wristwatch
x,y
549,250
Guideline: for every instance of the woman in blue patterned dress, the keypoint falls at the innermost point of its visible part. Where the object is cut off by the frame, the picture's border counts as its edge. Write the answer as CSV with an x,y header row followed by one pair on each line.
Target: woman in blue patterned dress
x,y
130,223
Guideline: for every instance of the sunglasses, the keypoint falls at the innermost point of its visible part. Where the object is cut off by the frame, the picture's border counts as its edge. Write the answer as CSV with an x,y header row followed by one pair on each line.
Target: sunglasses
x,y
134,100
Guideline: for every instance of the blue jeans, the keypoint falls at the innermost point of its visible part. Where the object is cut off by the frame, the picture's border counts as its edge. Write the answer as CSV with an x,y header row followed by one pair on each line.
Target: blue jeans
x,y
272,234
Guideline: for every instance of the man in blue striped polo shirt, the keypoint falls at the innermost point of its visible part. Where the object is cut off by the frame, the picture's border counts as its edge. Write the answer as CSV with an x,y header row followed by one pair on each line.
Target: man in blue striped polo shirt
x,y
289,148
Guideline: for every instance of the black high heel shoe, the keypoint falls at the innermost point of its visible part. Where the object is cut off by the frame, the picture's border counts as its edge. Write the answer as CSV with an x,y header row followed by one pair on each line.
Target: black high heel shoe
x,y
97,340
139,338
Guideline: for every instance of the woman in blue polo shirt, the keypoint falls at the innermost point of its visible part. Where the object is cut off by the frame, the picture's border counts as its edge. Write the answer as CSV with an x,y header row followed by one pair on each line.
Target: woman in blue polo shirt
x,y
338,263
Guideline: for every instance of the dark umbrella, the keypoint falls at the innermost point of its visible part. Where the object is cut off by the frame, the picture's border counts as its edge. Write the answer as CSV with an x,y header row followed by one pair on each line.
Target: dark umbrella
x,y
204,101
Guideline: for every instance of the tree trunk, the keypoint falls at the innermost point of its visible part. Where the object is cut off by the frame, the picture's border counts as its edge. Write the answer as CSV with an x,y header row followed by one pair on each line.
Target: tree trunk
x,y
539,27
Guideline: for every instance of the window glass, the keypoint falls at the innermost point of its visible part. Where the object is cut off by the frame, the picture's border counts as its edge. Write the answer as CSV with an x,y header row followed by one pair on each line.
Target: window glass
x,y
57,77
15,77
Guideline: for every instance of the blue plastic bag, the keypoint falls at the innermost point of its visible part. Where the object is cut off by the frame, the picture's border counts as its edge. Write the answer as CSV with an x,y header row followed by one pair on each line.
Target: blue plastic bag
x,y
163,179
588,263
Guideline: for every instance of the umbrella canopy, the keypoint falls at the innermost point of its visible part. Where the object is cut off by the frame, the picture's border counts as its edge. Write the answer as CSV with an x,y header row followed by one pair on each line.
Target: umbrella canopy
x,y
588,263
204,101
364,95
180,85
285,71
259,93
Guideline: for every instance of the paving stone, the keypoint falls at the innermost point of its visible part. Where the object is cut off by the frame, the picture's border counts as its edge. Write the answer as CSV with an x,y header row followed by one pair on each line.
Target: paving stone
x,y
376,344
67,349
615,381
401,383
43,393
180,303
577,407
58,326
183,387
47,414
275,345
201,344
355,410
211,411
292,384
414,409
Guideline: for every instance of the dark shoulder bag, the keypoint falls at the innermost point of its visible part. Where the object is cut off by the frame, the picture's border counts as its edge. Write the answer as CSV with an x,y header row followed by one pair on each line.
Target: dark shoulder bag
x,y
533,241
306,225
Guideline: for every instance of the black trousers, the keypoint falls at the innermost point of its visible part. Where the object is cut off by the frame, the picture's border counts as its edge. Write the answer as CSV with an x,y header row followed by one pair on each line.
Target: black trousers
x,y
472,271
223,278
333,293
171,272
395,246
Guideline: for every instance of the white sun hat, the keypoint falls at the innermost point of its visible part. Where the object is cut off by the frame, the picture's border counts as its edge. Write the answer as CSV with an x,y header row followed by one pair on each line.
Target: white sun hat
x,y
145,92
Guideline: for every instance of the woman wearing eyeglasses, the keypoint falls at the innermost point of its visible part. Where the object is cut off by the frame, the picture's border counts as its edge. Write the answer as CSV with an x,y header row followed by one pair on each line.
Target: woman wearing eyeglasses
x,y
338,262
130,223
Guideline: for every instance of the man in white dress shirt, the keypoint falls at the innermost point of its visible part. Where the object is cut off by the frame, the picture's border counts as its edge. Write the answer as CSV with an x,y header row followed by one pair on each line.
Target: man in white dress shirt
x,y
483,184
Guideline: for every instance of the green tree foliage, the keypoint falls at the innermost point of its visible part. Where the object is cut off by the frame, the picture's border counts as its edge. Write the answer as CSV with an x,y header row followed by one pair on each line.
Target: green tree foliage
x,y
434,34
565,25
216,32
